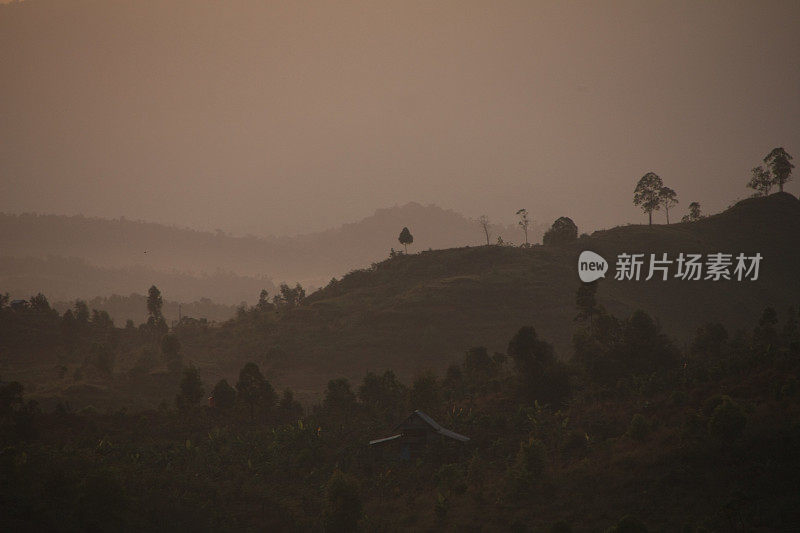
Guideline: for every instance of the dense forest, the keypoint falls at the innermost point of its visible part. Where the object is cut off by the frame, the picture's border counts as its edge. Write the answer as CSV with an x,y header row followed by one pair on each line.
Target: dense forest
x,y
700,438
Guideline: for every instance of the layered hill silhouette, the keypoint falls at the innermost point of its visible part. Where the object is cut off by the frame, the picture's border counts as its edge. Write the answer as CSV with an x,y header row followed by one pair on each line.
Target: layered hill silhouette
x,y
140,248
421,311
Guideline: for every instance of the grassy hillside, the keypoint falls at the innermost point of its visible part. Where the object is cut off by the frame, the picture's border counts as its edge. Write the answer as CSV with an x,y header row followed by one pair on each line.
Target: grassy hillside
x,y
424,310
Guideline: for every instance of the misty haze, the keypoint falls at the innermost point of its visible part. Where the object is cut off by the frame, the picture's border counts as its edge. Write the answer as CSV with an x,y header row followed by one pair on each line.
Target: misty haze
x,y
389,266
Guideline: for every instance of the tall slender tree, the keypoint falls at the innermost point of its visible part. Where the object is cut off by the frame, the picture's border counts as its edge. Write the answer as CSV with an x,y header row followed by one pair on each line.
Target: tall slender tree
x,y
779,163
524,222
669,198
483,220
646,195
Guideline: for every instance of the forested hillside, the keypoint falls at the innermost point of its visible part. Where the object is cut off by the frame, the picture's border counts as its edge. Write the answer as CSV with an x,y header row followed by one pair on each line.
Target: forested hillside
x,y
422,311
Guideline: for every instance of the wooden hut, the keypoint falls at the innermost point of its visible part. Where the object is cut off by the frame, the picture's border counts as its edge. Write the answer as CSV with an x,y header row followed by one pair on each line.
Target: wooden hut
x,y
415,432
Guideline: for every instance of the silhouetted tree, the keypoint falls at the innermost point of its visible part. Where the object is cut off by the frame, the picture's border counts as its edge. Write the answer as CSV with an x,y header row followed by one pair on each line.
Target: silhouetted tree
x,y
154,302
760,180
192,390
779,163
156,325
647,194
541,376
526,349
81,313
289,409
254,389
668,198
224,395
562,231
524,222
339,396
478,365
694,213
612,349
483,220
405,239
289,297
263,301
39,303
644,348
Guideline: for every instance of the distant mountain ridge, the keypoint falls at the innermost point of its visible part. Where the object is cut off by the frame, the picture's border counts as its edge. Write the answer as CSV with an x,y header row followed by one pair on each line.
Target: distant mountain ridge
x,y
312,259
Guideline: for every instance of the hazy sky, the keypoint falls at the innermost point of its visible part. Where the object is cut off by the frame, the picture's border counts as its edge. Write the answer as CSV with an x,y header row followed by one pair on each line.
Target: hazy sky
x,y
283,117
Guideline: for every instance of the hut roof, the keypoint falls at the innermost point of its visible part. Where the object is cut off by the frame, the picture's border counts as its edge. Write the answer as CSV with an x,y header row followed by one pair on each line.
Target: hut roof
x,y
434,425
385,439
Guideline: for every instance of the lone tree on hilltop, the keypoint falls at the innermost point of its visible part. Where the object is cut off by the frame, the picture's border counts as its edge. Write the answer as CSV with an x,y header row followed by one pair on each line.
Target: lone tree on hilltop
x,y
694,213
647,194
405,239
760,180
524,222
562,231
669,198
778,162
483,220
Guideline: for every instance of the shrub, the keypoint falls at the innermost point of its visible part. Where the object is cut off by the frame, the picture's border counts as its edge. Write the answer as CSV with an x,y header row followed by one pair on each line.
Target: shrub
x,y
561,526
450,479
639,428
712,402
441,507
343,507
628,524
531,459
678,398
562,231
694,425
224,395
727,420
575,444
